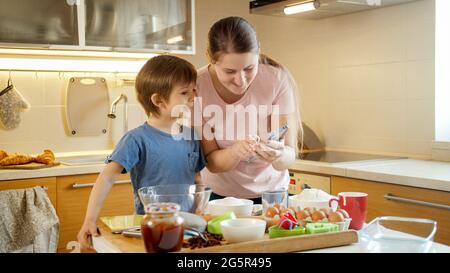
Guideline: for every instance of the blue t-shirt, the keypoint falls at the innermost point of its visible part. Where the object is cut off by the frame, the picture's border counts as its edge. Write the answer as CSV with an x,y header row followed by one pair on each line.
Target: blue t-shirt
x,y
153,157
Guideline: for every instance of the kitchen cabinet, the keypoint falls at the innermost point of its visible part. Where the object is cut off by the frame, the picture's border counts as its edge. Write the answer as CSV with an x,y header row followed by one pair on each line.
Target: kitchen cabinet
x,y
48,182
379,205
99,25
38,23
72,200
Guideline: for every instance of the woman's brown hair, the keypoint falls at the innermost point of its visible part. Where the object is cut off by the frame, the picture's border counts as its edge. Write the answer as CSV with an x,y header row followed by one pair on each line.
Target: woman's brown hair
x,y
237,35
159,76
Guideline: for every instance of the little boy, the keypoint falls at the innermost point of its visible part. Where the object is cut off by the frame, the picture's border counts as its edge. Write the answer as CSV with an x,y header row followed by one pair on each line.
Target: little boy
x,y
158,152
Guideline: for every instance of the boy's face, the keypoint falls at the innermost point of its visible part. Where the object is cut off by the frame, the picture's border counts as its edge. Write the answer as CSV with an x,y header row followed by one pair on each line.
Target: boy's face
x,y
181,98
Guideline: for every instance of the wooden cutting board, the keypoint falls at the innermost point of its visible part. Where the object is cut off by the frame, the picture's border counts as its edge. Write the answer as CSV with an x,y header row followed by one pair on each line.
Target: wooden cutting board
x,y
285,244
122,244
30,166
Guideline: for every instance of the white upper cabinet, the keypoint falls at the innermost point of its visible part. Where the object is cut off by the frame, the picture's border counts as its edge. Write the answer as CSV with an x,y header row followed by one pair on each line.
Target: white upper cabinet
x,y
33,23
104,25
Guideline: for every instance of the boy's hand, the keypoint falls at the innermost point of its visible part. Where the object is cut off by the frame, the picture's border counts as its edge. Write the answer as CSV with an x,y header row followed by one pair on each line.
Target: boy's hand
x,y
243,149
85,234
269,150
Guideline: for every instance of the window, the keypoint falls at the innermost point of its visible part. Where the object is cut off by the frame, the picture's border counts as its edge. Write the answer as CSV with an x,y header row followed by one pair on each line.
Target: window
x,y
442,71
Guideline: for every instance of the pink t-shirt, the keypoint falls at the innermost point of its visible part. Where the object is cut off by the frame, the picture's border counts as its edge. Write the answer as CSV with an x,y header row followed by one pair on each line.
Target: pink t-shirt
x,y
269,90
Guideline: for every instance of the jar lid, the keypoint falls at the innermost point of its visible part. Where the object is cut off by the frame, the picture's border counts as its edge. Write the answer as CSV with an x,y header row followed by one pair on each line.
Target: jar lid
x,y
161,208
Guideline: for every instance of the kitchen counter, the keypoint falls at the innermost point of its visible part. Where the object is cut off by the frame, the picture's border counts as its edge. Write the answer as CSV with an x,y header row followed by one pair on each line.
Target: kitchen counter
x,y
408,172
121,244
60,170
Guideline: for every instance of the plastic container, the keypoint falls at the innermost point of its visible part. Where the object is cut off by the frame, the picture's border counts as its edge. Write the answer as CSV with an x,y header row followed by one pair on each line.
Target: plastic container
x,y
214,224
398,235
276,232
314,228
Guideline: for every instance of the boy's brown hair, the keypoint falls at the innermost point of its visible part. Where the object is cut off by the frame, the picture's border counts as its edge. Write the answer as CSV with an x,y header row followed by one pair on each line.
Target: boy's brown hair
x,y
159,76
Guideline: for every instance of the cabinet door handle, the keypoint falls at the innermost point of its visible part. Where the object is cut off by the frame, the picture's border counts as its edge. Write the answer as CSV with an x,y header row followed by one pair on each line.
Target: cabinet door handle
x,y
89,185
305,186
391,197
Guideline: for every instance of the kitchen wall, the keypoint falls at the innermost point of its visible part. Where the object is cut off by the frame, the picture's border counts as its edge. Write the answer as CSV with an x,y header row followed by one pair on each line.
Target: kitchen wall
x,y
366,80
44,124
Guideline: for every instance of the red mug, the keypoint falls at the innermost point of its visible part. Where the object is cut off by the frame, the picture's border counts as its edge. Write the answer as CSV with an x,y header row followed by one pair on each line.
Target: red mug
x,y
355,203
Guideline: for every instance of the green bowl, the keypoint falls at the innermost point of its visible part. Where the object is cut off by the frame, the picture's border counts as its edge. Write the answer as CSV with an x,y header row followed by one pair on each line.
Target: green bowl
x,y
276,232
214,224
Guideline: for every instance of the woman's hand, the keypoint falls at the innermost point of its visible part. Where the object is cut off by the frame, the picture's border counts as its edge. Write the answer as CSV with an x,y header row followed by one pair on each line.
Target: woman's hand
x,y
243,149
269,150
88,230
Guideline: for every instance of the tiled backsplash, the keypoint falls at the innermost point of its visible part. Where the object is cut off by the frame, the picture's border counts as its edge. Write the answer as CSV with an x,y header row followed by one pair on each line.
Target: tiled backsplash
x,y
44,124
366,80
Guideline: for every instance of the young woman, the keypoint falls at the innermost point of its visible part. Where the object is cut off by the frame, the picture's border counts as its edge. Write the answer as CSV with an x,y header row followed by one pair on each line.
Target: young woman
x,y
239,77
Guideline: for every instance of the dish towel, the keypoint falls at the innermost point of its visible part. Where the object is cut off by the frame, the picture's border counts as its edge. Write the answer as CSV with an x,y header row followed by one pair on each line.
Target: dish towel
x,y
28,221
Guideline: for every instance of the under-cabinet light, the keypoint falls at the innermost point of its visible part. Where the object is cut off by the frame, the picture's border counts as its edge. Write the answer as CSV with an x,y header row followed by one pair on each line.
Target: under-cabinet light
x,y
77,53
74,65
175,39
297,8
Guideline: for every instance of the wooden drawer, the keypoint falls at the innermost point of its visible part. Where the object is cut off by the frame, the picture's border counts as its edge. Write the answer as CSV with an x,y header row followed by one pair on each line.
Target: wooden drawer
x,y
378,205
72,199
48,182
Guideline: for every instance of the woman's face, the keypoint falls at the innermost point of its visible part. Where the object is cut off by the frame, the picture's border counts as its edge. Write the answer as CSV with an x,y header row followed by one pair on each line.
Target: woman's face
x,y
236,71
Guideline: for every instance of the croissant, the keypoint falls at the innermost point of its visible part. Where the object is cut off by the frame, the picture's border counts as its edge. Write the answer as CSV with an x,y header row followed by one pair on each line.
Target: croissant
x,y
16,159
45,158
3,154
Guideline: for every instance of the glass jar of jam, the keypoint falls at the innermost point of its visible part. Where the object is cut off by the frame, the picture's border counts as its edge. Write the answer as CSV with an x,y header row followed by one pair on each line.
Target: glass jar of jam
x,y
162,228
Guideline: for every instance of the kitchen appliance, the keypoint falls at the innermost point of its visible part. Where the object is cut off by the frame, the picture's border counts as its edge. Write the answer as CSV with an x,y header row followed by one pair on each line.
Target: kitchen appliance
x,y
318,9
300,181
314,150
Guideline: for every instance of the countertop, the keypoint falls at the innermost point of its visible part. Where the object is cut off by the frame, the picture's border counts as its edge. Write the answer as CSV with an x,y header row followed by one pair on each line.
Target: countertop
x,y
117,243
409,172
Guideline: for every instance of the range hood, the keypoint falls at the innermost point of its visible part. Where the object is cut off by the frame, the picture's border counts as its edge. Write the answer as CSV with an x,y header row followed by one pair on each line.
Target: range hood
x,y
320,8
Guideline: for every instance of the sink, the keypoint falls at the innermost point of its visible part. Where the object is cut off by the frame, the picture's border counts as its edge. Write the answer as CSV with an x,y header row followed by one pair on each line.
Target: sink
x,y
83,159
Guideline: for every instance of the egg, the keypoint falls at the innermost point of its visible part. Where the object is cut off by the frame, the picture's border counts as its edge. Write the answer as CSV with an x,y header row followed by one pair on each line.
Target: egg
x,y
336,217
318,215
310,210
303,215
344,213
278,206
271,212
326,210
288,210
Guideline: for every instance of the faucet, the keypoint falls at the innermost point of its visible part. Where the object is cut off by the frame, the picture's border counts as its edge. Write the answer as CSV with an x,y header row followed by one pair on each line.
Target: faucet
x,y
112,111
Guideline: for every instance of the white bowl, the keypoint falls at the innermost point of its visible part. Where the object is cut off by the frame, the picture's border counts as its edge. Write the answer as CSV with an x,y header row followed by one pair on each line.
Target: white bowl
x,y
243,229
240,207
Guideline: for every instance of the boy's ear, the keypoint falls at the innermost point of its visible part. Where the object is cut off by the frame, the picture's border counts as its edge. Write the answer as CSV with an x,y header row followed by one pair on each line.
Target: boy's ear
x,y
157,100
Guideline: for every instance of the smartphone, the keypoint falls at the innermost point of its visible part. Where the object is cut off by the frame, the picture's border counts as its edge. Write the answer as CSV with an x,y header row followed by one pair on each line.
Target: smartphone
x,y
278,134
274,135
